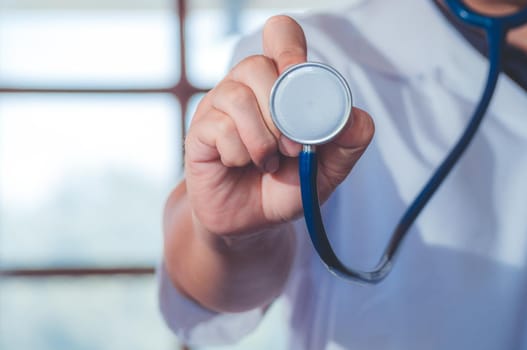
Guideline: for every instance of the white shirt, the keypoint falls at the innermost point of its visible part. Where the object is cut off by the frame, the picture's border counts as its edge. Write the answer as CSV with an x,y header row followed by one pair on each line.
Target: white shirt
x,y
460,280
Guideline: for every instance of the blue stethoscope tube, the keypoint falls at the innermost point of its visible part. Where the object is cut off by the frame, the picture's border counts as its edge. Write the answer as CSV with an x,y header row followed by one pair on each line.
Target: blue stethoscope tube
x,y
496,29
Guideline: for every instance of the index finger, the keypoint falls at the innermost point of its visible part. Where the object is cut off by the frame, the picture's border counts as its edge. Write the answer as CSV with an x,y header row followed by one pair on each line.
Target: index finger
x,y
284,42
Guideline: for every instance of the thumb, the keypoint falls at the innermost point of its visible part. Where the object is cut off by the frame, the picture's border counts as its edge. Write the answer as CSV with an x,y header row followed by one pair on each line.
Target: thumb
x,y
337,158
284,42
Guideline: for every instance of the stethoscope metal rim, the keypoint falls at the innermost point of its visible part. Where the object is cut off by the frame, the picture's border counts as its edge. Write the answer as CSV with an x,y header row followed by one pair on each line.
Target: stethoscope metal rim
x,y
277,118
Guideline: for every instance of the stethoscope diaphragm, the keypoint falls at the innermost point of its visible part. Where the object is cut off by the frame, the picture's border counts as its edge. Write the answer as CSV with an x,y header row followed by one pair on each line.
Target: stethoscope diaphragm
x,y
310,103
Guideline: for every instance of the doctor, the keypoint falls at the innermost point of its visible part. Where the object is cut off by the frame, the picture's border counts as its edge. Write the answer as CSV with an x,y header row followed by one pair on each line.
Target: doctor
x,y
233,238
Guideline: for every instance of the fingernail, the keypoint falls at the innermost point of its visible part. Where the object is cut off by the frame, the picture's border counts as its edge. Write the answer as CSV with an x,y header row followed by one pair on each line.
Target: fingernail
x,y
271,165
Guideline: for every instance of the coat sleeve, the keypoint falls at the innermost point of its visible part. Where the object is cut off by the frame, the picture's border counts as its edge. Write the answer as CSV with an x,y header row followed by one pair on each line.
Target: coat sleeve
x,y
195,325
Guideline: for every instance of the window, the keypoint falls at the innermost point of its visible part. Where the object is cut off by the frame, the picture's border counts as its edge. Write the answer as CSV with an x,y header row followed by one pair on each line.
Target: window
x,y
95,97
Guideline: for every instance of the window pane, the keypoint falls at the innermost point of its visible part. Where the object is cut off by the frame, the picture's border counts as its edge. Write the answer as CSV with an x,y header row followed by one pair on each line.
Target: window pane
x,y
83,179
210,40
80,47
82,313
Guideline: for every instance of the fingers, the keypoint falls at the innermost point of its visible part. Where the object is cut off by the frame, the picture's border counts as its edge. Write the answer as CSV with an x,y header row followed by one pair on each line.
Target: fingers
x,y
338,157
259,74
219,133
284,42
229,121
240,103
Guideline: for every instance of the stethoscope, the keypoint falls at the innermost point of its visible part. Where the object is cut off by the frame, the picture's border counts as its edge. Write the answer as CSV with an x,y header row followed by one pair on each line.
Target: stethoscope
x,y
311,103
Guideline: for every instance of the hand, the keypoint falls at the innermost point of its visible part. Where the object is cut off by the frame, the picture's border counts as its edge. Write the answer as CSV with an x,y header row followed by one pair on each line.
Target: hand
x,y
241,173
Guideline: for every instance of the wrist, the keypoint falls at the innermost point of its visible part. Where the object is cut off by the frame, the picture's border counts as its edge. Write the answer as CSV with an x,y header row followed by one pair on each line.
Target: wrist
x,y
237,243
237,272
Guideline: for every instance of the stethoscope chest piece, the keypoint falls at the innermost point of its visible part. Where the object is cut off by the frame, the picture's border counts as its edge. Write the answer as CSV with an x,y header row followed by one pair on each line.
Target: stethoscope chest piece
x,y
310,103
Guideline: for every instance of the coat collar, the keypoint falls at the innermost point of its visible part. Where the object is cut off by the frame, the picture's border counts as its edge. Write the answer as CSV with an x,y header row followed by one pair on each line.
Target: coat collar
x,y
442,54
414,24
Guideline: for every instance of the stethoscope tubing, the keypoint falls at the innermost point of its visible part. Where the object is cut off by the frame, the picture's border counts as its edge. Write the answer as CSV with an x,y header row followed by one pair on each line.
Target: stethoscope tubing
x,y
496,29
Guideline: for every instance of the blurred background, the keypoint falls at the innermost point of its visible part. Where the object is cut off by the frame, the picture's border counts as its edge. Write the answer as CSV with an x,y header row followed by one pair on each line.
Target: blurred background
x,y
95,96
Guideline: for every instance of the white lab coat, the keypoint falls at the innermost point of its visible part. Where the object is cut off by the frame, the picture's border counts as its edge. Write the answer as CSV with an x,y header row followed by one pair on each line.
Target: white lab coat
x,y
460,281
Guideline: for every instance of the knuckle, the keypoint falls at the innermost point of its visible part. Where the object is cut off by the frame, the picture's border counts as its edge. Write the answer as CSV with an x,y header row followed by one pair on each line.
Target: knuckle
x,y
291,55
239,95
228,162
225,127
233,162
203,107
257,62
261,150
